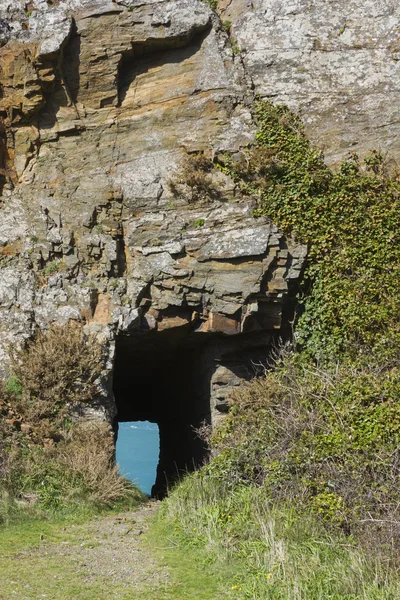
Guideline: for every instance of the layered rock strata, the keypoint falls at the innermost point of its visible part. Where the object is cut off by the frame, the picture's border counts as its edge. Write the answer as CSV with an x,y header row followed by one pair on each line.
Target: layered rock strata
x,y
96,117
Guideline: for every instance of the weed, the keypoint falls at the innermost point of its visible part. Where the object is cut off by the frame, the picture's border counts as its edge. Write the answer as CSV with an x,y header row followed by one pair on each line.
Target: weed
x,y
194,182
198,223
213,4
10,250
53,267
235,47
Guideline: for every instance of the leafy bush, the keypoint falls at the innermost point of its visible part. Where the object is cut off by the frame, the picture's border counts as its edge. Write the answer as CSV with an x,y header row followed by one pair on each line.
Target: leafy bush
x,y
48,460
326,439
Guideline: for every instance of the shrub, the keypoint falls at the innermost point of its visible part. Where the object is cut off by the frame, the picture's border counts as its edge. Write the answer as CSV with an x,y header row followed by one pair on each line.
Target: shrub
x,y
49,461
53,371
326,439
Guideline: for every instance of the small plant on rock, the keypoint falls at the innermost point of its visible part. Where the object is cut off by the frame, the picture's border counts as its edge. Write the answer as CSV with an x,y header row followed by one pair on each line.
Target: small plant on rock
x,y
213,4
195,182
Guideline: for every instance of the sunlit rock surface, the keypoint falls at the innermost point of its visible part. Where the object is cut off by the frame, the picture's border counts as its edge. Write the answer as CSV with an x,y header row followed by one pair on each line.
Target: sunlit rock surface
x,y
100,103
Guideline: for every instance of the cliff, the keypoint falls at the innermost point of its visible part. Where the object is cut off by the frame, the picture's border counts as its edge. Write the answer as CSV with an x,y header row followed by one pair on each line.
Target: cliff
x,y
103,107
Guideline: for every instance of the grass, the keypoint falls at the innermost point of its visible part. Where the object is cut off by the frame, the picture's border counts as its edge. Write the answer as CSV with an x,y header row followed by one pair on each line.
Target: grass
x,y
193,574
33,572
214,543
271,552
36,570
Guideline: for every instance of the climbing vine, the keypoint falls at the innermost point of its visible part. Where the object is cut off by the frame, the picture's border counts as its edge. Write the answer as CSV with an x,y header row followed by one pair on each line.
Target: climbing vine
x,y
350,220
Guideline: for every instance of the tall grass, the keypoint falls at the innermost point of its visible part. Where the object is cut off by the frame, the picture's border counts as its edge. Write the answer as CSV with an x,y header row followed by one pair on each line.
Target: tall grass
x,y
278,552
302,494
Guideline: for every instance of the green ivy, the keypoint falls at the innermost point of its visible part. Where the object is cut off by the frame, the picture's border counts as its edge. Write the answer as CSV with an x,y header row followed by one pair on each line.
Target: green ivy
x,y
350,221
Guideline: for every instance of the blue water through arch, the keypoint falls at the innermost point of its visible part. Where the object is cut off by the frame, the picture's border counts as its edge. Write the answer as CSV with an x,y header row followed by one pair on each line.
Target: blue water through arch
x,y
138,446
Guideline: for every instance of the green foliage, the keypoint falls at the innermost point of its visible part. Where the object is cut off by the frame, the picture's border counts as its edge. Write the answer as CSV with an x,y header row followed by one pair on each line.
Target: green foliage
x,y
234,46
269,551
53,267
198,223
327,439
350,221
14,386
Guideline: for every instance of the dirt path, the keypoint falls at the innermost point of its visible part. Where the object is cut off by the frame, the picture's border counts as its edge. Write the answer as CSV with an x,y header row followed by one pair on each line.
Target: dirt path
x,y
103,559
110,557
112,548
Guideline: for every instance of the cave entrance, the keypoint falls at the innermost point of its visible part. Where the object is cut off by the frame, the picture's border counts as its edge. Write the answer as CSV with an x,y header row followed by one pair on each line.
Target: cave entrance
x,y
164,378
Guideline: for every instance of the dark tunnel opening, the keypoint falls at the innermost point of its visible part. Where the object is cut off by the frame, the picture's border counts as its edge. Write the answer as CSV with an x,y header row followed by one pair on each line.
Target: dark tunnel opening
x,y
164,378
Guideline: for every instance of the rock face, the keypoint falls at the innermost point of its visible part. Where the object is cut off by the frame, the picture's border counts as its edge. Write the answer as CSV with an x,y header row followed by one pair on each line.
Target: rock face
x,y
335,61
101,103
